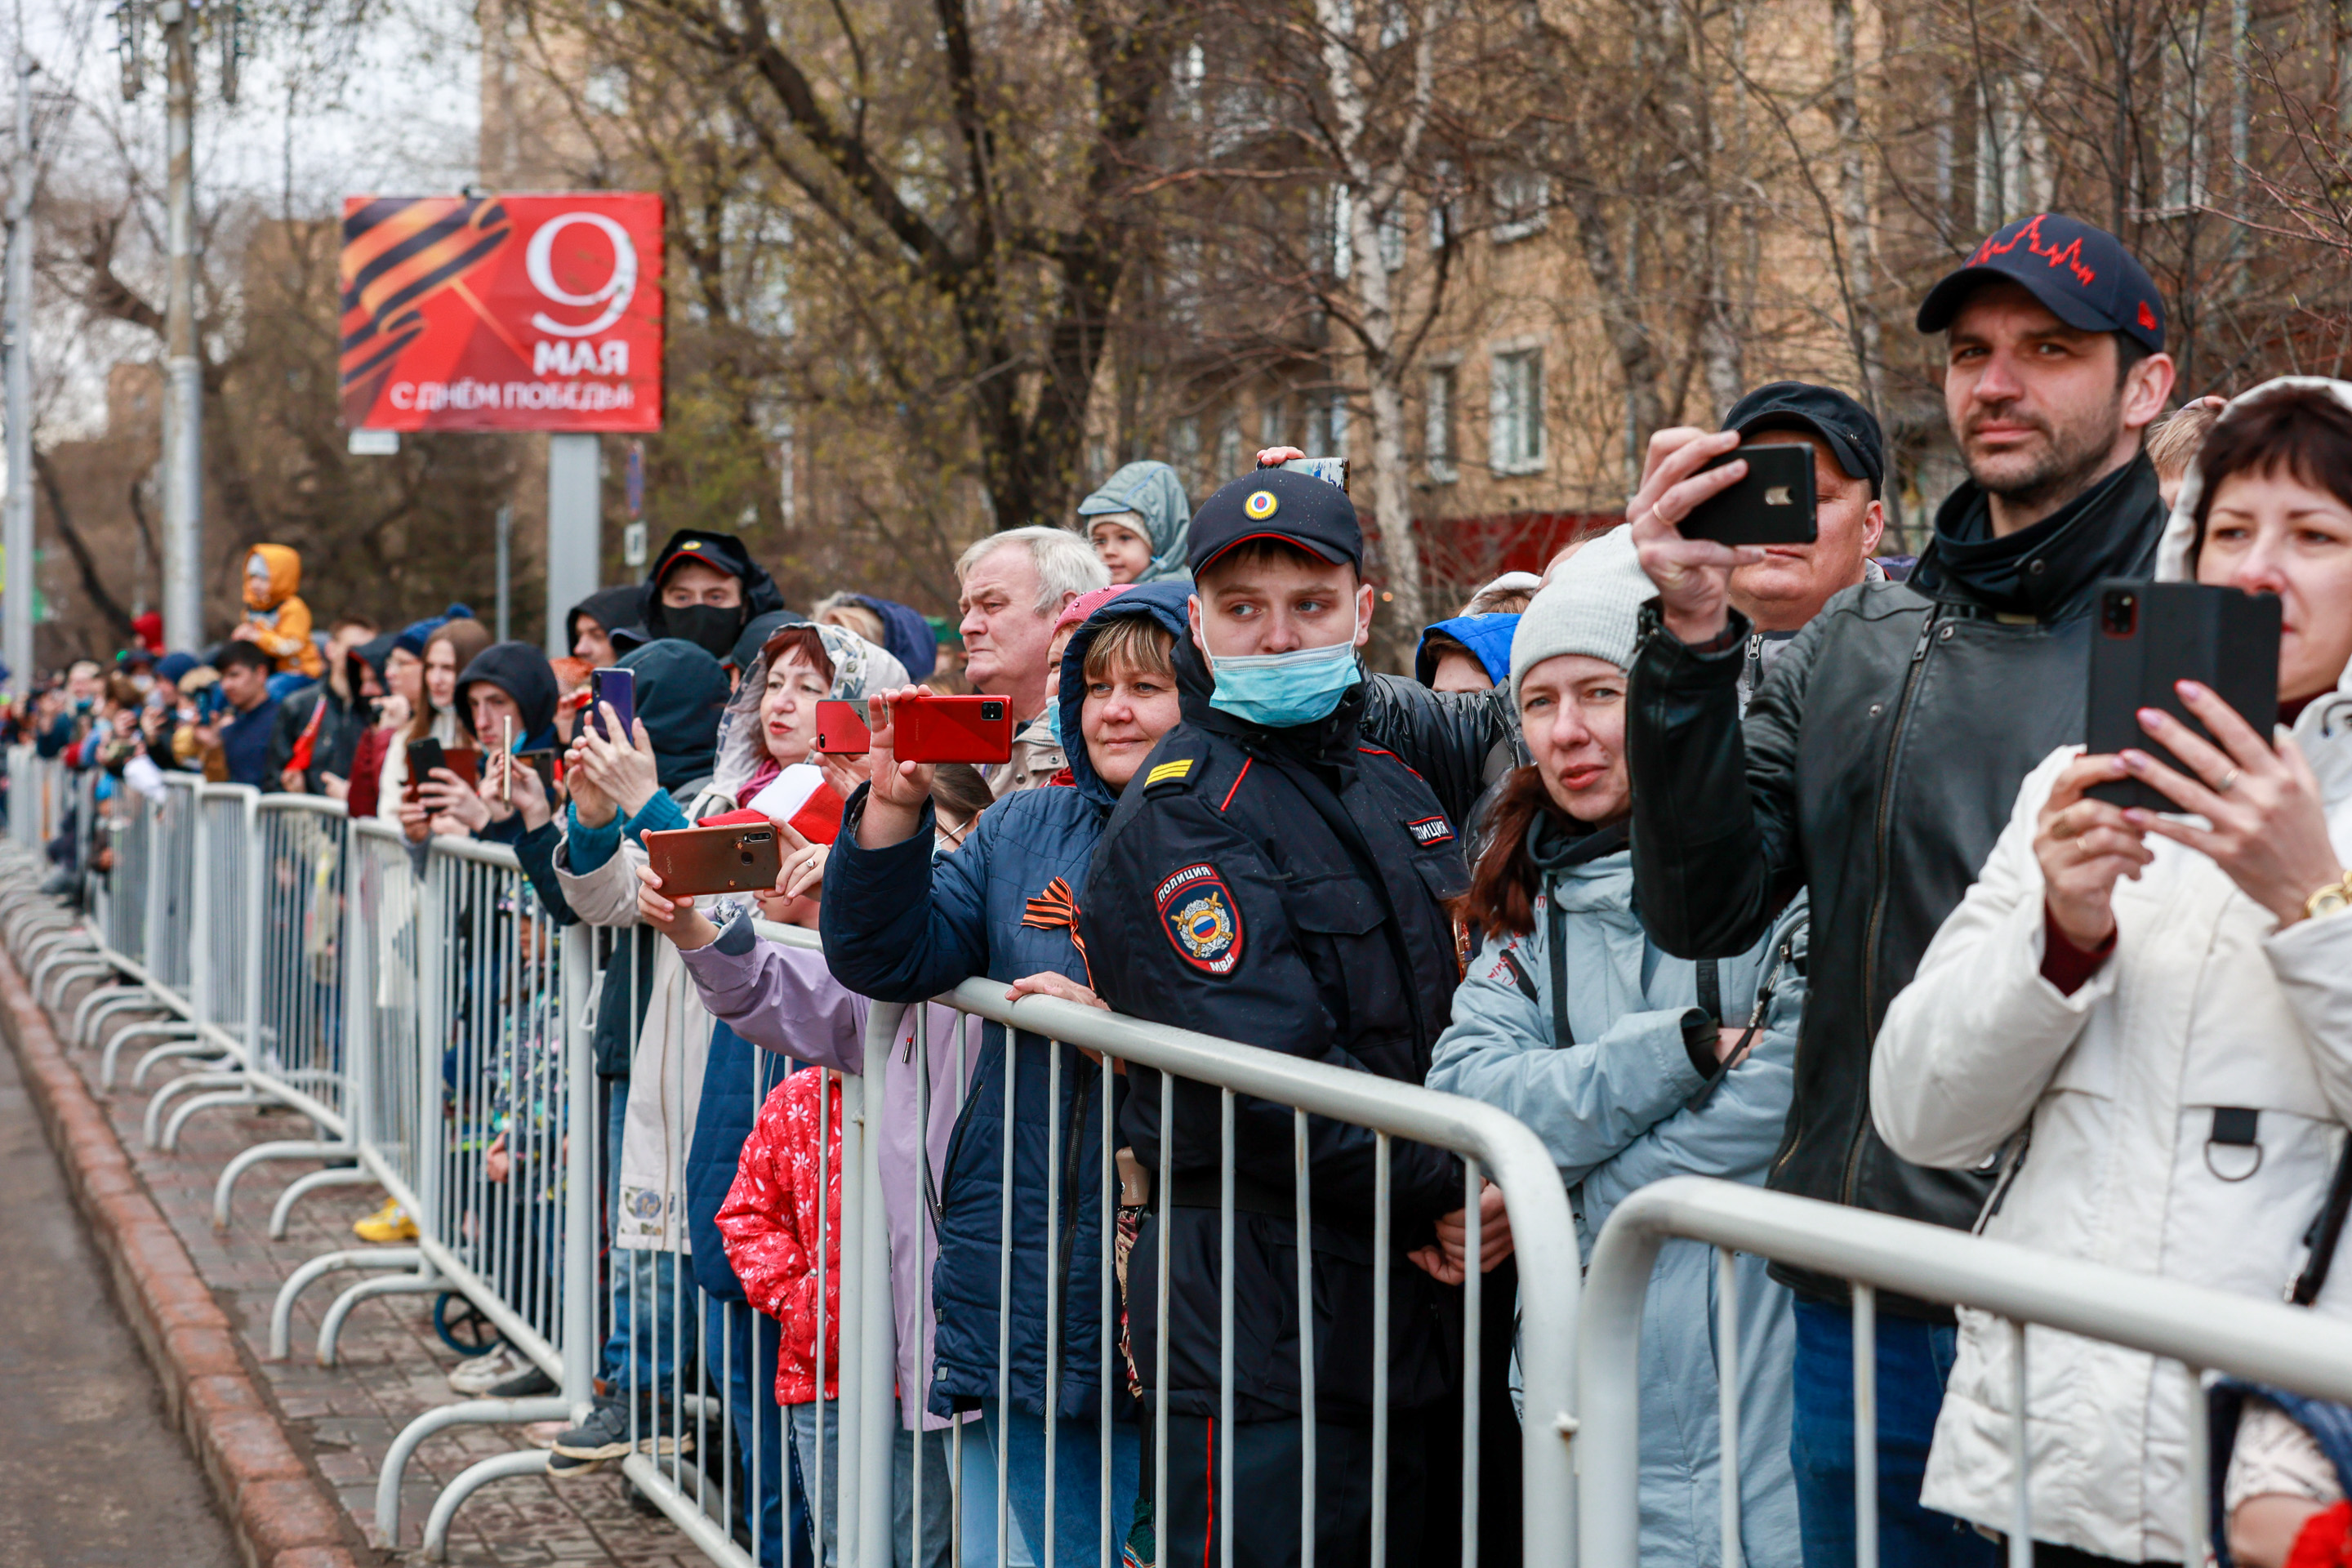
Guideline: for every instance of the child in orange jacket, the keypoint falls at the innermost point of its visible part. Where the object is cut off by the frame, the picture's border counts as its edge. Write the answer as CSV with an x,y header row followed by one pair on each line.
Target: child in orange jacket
x,y
275,618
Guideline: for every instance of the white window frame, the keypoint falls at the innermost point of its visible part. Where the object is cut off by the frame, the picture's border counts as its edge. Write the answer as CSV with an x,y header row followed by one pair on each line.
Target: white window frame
x,y
1522,203
1441,419
1509,361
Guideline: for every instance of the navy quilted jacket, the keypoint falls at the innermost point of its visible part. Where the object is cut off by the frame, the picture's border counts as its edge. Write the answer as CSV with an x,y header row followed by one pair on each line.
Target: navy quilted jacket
x,y
900,929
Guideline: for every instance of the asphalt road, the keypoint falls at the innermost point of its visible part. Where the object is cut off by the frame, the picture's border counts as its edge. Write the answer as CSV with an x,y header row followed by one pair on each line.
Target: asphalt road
x,y
91,1475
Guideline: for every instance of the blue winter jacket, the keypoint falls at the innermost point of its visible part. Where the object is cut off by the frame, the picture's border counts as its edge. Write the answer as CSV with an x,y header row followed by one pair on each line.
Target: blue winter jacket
x,y
898,928
736,1079
1620,1104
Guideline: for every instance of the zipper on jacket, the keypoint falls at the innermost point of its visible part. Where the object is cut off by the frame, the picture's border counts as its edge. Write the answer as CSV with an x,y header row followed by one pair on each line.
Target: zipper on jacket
x,y
1876,923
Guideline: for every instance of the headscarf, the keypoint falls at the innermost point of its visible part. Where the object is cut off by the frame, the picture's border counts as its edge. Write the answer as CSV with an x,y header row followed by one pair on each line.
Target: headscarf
x,y
1154,493
859,669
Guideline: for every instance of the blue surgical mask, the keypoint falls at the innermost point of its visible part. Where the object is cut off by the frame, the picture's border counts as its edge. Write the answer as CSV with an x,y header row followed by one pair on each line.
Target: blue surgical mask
x,y
1054,718
1283,690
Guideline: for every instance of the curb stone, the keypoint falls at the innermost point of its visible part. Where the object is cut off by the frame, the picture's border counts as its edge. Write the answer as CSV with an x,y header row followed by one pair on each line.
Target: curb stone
x,y
283,1514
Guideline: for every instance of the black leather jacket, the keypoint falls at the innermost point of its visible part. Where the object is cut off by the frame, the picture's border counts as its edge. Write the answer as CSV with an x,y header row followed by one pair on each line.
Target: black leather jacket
x,y
1459,742
1876,766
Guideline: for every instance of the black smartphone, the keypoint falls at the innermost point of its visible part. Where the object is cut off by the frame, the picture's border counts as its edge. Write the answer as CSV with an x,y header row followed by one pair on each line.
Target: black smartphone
x,y
423,756
2150,634
543,765
1772,505
619,688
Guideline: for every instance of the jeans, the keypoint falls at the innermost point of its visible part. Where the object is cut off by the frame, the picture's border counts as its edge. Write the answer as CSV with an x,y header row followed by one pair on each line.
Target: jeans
x,y
1914,1360
1078,1465
939,1449
742,1344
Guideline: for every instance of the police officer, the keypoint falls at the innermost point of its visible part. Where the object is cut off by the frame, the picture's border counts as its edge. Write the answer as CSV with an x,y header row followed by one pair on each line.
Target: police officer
x,y
1272,878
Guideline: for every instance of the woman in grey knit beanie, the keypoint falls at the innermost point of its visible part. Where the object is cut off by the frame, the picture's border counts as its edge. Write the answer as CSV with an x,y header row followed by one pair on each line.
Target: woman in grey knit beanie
x,y
1630,1064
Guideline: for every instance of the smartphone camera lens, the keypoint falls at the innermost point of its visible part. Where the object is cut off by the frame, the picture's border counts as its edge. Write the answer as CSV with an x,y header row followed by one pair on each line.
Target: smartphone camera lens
x,y
991,712
2120,614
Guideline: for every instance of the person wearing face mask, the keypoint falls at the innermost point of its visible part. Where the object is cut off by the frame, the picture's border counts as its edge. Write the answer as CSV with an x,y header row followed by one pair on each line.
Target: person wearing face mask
x,y
1633,1065
903,923
1279,880
704,587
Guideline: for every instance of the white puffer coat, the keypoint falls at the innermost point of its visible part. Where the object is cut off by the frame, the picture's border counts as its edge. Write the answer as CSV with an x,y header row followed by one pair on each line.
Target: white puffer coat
x,y
2204,1006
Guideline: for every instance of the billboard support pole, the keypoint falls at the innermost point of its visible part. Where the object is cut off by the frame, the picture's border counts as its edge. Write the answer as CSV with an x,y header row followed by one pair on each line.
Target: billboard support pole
x,y
16,595
506,571
575,528
183,471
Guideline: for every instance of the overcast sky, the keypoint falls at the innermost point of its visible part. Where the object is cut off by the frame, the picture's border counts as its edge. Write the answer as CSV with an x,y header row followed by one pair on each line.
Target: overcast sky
x,y
388,106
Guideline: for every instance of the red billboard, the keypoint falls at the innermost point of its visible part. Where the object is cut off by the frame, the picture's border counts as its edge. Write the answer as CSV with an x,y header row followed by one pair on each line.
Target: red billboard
x,y
514,312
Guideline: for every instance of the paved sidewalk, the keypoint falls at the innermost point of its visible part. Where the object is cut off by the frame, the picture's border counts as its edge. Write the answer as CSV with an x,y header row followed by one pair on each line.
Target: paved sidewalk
x,y
393,1364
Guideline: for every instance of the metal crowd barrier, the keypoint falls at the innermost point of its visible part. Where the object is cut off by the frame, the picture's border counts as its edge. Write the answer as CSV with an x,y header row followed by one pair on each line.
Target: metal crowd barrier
x,y
2202,1329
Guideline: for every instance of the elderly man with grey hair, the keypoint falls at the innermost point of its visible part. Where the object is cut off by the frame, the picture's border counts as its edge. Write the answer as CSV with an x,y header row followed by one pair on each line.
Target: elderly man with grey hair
x,y
1013,586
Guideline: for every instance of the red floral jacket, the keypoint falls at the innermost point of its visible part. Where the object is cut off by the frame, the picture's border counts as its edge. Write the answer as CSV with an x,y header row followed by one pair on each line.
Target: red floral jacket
x,y
769,1224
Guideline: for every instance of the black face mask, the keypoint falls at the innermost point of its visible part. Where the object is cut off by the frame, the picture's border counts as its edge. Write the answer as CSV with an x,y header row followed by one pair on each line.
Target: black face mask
x,y
713,628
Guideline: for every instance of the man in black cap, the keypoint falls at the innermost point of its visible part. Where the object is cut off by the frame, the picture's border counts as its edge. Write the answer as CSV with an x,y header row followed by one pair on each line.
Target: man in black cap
x,y
1272,877
704,586
1790,586
1878,762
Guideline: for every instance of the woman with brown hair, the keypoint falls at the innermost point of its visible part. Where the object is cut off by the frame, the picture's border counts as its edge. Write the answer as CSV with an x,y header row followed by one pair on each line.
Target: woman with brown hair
x,y
1631,1065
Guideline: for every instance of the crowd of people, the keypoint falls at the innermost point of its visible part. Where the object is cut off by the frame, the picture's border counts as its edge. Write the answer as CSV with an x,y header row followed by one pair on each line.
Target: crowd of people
x,y
1782,865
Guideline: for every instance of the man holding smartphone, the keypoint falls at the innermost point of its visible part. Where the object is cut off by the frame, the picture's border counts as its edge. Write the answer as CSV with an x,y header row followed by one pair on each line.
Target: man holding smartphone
x,y
1878,762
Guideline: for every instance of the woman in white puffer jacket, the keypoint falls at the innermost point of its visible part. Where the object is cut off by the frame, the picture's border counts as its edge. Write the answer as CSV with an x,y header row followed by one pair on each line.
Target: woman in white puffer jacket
x,y
2150,1017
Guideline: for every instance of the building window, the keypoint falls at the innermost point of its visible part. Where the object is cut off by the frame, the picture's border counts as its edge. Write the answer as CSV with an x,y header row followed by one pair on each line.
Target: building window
x,y
1515,431
1522,202
1438,408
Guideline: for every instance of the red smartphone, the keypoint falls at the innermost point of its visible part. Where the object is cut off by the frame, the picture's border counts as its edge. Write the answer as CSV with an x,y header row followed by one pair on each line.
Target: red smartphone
x,y
841,729
954,729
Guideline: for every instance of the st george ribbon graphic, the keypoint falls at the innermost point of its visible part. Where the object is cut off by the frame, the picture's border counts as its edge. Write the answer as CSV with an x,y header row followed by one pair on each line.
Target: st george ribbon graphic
x,y
508,313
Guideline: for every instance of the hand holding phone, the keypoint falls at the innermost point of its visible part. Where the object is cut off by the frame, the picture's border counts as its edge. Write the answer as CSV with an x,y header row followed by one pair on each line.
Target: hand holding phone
x,y
2150,637
1772,503
735,858
1693,575
618,688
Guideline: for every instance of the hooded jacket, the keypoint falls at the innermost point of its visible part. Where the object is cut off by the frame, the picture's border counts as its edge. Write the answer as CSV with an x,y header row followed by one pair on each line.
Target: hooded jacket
x,y
277,621
906,634
1620,1103
614,609
1154,493
724,552
899,927
2109,1107
1488,639
522,671
1876,766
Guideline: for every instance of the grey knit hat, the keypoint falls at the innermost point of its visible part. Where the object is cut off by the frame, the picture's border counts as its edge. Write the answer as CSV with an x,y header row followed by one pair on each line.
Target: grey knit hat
x,y
1591,606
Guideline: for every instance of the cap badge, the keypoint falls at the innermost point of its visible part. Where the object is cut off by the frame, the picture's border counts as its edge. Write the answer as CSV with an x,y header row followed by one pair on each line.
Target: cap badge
x,y
2147,316
1260,505
691,544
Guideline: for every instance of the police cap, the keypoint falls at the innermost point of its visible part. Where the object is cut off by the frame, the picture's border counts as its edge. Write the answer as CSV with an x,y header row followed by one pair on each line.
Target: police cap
x,y
1297,509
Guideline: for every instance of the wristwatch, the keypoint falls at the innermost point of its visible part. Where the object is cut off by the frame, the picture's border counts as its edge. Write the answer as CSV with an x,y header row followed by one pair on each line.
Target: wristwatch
x,y
2332,898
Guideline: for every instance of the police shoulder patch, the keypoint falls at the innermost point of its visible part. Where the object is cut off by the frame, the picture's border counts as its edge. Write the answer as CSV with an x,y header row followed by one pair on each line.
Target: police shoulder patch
x,y
1198,912
1430,830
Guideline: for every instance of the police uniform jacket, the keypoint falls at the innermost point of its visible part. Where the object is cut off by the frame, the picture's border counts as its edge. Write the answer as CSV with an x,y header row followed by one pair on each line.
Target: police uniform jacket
x,y
1223,898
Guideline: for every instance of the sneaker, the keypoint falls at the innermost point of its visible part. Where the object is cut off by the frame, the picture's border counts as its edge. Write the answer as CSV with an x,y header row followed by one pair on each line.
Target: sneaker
x,y
529,1384
477,1375
604,1436
390,1223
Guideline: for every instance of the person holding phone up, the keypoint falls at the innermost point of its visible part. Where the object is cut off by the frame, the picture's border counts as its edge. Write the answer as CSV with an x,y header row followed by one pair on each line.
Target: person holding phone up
x,y
2160,1005
1875,765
